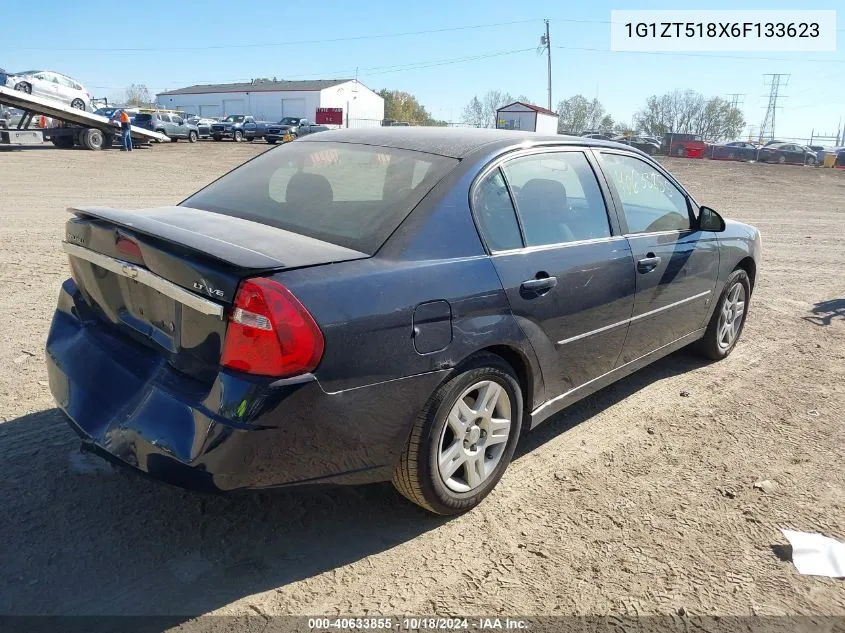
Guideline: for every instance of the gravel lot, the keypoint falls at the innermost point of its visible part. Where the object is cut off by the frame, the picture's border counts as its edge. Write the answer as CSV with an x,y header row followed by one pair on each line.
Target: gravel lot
x,y
638,500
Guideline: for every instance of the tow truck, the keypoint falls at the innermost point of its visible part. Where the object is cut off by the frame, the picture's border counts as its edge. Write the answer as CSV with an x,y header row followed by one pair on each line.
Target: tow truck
x,y
76,127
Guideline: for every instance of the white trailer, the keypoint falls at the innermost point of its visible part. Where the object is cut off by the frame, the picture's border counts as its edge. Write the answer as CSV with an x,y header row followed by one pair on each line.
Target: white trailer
x,y
80,128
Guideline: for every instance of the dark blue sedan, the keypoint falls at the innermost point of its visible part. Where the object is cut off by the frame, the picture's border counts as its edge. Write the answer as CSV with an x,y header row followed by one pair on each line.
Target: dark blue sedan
x,y
394,304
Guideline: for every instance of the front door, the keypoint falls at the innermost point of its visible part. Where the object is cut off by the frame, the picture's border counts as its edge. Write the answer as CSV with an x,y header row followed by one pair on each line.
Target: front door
x,y
564,265
676,264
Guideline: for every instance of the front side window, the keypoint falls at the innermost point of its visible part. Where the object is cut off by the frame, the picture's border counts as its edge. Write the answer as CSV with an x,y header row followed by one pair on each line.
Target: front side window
x,y
650,202
495,213
557,197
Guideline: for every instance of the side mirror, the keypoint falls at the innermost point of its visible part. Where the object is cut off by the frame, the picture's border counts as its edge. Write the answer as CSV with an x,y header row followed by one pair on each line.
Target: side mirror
x,y
709,220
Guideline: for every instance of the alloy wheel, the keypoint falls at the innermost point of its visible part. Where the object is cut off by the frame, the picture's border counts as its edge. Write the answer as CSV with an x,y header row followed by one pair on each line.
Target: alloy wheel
x,y
474,437
731,316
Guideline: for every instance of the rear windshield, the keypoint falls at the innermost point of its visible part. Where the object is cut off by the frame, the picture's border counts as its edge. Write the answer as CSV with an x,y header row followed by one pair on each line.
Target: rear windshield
x,y
347,194
143,117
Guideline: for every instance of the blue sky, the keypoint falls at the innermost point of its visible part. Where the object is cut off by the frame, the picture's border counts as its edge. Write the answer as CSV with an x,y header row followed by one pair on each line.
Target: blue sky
x,y
208,41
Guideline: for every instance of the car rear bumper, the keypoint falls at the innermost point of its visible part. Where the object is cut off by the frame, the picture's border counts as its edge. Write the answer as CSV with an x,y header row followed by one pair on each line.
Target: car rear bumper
x,y
130,405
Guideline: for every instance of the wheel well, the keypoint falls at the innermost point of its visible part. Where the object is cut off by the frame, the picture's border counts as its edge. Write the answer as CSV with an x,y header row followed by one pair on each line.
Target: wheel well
x,y
520,367
748,265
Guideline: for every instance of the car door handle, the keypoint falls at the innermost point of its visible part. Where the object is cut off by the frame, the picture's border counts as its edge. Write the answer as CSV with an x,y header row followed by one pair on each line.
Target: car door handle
x,y
538,286
648,263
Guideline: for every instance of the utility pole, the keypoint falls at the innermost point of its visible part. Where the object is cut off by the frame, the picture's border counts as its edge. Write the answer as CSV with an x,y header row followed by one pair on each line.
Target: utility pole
x,y
767,129
545,41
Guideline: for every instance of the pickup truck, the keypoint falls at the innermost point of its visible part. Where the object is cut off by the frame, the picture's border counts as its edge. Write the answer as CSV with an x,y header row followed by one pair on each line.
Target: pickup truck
x,y
289,128
238,127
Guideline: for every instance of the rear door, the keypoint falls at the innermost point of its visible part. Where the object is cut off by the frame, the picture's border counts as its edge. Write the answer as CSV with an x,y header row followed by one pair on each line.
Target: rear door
x,y
676,264
565,267
45,84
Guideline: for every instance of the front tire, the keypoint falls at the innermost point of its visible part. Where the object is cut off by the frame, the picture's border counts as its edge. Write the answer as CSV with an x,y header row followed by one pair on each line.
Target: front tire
x,y
463,440
23,87
238,136
728,319
192,137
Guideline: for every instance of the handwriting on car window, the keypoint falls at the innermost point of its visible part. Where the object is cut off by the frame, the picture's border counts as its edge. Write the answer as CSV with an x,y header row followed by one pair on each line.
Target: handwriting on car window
x,y
633,182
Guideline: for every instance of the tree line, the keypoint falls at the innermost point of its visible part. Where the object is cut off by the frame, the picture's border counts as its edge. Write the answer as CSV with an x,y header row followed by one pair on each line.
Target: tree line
x,y
680,112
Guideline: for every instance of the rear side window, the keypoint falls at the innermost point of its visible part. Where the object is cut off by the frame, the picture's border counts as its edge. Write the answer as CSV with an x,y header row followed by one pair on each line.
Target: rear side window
x,y
495,214
143,117
347,194
650,202
557,197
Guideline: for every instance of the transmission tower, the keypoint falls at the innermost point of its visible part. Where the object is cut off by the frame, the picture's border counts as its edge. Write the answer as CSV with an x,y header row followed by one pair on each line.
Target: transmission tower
x,y
775,82
736,100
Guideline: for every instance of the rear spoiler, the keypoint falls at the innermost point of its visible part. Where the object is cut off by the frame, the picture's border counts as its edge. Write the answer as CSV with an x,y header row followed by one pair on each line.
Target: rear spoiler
x,y
235,241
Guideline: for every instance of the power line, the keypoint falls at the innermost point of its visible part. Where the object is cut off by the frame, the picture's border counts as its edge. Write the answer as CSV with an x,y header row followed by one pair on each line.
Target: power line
x,y
381,70
272,44
702,55
767,129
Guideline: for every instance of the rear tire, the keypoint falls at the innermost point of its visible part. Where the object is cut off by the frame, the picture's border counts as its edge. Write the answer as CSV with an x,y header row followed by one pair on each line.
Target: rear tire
x,y
79,104
454,433
781,159
728,318
92,139
23,87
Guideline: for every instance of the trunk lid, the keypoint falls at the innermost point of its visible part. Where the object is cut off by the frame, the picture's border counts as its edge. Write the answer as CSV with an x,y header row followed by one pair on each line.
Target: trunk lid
x,y
165,277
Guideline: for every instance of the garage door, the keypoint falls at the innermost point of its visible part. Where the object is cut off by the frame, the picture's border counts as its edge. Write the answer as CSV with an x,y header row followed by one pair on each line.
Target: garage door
x,y
210,111
293,107
233,106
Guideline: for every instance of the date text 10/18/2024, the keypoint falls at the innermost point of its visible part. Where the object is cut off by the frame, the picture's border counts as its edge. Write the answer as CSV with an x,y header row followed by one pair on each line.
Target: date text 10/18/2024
x,y
418,624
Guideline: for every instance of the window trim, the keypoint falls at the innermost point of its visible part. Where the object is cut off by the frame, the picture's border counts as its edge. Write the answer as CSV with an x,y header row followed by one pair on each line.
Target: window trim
x,y
616,229
623,220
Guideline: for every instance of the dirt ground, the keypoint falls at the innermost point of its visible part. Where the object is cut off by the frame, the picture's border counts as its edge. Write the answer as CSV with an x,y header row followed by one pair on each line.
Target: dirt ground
x,y
639,500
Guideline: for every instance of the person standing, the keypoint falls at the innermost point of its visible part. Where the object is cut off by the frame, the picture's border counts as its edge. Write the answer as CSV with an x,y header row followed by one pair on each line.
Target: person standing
x,y
125,127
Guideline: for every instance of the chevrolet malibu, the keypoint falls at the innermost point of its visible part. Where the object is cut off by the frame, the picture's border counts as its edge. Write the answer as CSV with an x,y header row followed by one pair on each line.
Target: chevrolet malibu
x,y
398,304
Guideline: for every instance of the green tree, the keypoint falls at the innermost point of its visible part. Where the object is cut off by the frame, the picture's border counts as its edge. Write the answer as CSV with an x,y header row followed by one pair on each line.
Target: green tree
x,y
689,112
577,114
482,112
403,106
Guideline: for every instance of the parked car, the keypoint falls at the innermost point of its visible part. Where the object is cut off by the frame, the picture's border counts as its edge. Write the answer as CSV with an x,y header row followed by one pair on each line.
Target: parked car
x,y
238,127
642,143
683,145
598,135
788,153
51,85
285,132
365,306
172,125
735,150
820,152
203,125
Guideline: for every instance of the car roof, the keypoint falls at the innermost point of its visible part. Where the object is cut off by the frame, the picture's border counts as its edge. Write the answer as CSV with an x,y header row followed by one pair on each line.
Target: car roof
x,y
453,142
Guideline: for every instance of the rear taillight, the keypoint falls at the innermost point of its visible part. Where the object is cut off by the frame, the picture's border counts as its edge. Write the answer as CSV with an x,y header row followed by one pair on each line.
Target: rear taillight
x,y
125,246
270,332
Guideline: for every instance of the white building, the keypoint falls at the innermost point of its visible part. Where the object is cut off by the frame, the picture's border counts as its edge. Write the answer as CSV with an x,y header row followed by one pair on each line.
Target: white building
x,y
526,117
272,100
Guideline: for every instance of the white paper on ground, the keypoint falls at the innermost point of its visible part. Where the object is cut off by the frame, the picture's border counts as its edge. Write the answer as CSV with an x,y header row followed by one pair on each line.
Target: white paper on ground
x,y
816,555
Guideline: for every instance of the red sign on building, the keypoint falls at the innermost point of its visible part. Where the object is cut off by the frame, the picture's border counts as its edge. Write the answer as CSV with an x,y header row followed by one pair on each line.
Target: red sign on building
x,y
329,116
